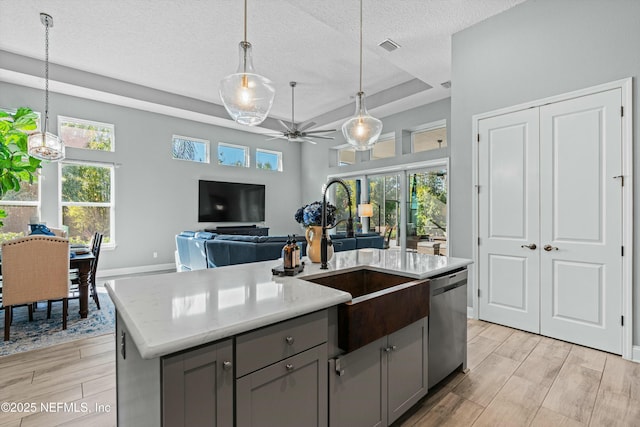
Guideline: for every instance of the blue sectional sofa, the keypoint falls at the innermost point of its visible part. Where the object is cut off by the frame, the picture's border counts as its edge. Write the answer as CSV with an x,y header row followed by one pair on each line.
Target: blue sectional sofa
x,y
201,249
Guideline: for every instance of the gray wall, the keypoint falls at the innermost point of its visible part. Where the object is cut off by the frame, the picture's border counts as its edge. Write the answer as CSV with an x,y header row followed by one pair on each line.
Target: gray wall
x,y
156,197
537,49
316,158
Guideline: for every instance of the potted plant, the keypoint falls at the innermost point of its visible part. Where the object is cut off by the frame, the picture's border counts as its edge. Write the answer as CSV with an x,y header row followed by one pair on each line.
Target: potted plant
x,y
16,165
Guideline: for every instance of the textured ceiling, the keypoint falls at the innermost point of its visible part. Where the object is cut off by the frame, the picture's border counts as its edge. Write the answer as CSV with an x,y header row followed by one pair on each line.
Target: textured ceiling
x,y
186,46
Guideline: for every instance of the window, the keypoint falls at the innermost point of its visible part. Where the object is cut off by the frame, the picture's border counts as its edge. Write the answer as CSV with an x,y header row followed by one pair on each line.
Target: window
x,y
86,134
342,202
86,200
22,208
191,149
430,138
384,195
346,156
269,160
233,155
384,148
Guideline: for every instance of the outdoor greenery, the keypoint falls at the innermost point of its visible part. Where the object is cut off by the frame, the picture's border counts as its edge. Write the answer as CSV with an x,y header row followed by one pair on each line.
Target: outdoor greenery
x,y
16,166
81,134
428,203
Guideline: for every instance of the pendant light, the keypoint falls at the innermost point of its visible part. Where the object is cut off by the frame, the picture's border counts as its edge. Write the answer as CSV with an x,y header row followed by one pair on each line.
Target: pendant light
x,y
44,145
247,96
362,130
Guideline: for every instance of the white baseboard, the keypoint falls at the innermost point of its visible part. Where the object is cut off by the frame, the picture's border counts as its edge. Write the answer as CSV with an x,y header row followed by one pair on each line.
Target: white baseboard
x,y
470,313
135,270
635,357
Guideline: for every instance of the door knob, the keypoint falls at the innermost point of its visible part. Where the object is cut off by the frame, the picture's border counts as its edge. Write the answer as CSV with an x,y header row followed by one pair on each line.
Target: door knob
x,y
549,248
531,246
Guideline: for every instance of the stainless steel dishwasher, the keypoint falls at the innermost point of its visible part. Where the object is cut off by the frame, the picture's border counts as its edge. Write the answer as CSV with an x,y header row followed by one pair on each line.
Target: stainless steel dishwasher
x,y
447,325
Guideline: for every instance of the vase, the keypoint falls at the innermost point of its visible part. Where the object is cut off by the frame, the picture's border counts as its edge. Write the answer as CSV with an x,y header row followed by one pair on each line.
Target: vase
x,y
314,237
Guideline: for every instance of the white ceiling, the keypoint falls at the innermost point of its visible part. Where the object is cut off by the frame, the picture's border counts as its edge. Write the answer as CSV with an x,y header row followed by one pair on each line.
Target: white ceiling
x,y
187,46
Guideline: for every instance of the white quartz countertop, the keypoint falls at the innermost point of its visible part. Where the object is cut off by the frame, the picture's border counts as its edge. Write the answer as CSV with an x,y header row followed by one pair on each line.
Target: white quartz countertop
x,y
166,313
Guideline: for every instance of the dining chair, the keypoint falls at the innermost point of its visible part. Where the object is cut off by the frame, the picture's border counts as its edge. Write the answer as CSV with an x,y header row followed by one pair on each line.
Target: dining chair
x,y
74,290
34,268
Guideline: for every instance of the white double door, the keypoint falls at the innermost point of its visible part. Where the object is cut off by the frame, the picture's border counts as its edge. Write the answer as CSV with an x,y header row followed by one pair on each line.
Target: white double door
x,y
550,214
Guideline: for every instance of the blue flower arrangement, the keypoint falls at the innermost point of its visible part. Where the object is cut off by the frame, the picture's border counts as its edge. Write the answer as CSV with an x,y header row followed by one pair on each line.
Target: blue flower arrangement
x,y
311,214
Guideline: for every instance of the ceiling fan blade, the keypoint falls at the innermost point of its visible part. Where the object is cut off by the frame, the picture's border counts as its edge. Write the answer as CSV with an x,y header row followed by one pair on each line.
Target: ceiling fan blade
x,y
309,140
277,137
318,136
320,131
285,126
307,125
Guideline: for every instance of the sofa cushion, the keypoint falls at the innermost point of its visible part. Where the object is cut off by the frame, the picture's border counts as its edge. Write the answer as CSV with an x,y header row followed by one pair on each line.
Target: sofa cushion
x,y
204,235
238,238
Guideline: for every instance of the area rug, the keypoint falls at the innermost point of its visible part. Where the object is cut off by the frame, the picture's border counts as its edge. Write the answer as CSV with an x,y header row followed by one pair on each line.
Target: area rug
x,y
43,332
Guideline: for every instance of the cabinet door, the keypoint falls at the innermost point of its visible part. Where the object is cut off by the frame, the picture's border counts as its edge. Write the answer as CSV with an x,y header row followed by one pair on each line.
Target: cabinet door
x,y
197,387
406,368
358,397
292,392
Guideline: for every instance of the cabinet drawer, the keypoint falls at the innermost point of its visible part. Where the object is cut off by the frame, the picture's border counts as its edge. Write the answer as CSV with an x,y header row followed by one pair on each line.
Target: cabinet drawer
x,y
257,349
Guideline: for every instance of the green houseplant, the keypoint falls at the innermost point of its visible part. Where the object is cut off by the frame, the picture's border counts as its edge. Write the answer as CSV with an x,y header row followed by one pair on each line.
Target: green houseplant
x,y
16,165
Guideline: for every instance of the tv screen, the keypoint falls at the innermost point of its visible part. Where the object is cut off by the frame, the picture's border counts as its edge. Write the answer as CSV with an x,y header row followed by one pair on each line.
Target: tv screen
x,y
230,202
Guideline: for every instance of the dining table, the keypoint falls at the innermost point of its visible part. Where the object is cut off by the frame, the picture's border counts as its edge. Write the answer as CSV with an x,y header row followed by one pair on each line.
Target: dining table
x,y
82,262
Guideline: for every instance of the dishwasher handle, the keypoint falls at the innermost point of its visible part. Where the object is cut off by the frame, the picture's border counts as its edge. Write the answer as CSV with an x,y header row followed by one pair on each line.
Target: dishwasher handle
x,y
448,288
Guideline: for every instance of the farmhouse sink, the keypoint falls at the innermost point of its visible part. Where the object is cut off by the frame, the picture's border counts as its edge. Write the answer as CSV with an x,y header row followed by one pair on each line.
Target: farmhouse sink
x,y
382,303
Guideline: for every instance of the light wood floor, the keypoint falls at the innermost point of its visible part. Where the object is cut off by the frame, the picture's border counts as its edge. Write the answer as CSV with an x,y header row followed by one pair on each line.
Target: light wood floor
x,y
514,379
520,379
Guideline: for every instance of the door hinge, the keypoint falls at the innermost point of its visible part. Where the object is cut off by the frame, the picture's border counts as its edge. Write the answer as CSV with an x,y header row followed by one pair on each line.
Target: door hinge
x,y
621,320
621,250
621,179
478,189
478,138
478,241
478,293
622,111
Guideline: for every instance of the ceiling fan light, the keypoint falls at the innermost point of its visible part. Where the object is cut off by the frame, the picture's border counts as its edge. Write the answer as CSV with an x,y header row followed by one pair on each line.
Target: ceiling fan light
x,y
247,96
362,130
45,146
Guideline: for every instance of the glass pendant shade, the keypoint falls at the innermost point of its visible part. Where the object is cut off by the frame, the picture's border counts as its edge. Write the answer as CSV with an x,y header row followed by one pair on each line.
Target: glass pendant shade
x,y
247,96
46,146
362,130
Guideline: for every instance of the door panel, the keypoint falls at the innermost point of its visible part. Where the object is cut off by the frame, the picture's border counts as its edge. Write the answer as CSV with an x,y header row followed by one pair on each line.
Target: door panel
x,y
509,220
508,282
581,220
578,278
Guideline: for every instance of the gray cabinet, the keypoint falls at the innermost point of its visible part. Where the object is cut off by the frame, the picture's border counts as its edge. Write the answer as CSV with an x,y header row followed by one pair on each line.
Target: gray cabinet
x,y
197,387
192,388
375,384
281,374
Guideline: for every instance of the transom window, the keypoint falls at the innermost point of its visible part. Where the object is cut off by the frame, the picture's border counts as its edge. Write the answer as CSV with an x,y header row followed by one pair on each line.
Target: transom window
x,y
85,134
233,155
87,201
190,149
384,148
429,138
346,156
269,160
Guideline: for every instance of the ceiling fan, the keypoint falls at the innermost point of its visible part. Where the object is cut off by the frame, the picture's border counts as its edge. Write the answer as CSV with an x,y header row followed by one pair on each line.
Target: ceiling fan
x,y
292,132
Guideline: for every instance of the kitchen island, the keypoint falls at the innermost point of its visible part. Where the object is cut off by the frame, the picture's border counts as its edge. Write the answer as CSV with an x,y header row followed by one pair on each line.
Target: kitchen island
x,y
235,329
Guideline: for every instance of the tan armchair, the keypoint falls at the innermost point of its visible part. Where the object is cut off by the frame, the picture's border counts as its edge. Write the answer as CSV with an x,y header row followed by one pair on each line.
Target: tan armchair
x,y
34,268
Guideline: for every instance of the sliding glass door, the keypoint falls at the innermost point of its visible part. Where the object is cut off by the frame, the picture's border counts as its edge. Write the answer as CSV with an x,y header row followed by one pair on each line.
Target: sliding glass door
x,y
427,207
384,195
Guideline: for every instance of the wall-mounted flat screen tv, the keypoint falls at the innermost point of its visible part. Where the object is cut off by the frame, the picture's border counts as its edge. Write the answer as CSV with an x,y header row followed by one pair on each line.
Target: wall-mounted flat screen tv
x,y
230,202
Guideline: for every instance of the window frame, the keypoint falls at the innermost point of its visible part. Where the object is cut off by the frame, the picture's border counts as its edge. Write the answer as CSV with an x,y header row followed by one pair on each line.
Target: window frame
x,y
247,157
62,119
205,142
111,205
426,128
280,166
346,147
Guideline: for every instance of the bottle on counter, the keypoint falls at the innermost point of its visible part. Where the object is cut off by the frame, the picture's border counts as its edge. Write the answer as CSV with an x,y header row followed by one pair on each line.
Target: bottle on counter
x,y
296,252
287,254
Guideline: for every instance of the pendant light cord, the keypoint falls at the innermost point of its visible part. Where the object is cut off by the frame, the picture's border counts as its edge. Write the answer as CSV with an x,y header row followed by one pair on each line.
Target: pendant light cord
x,y
360,46
245,21
46,77
293,107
